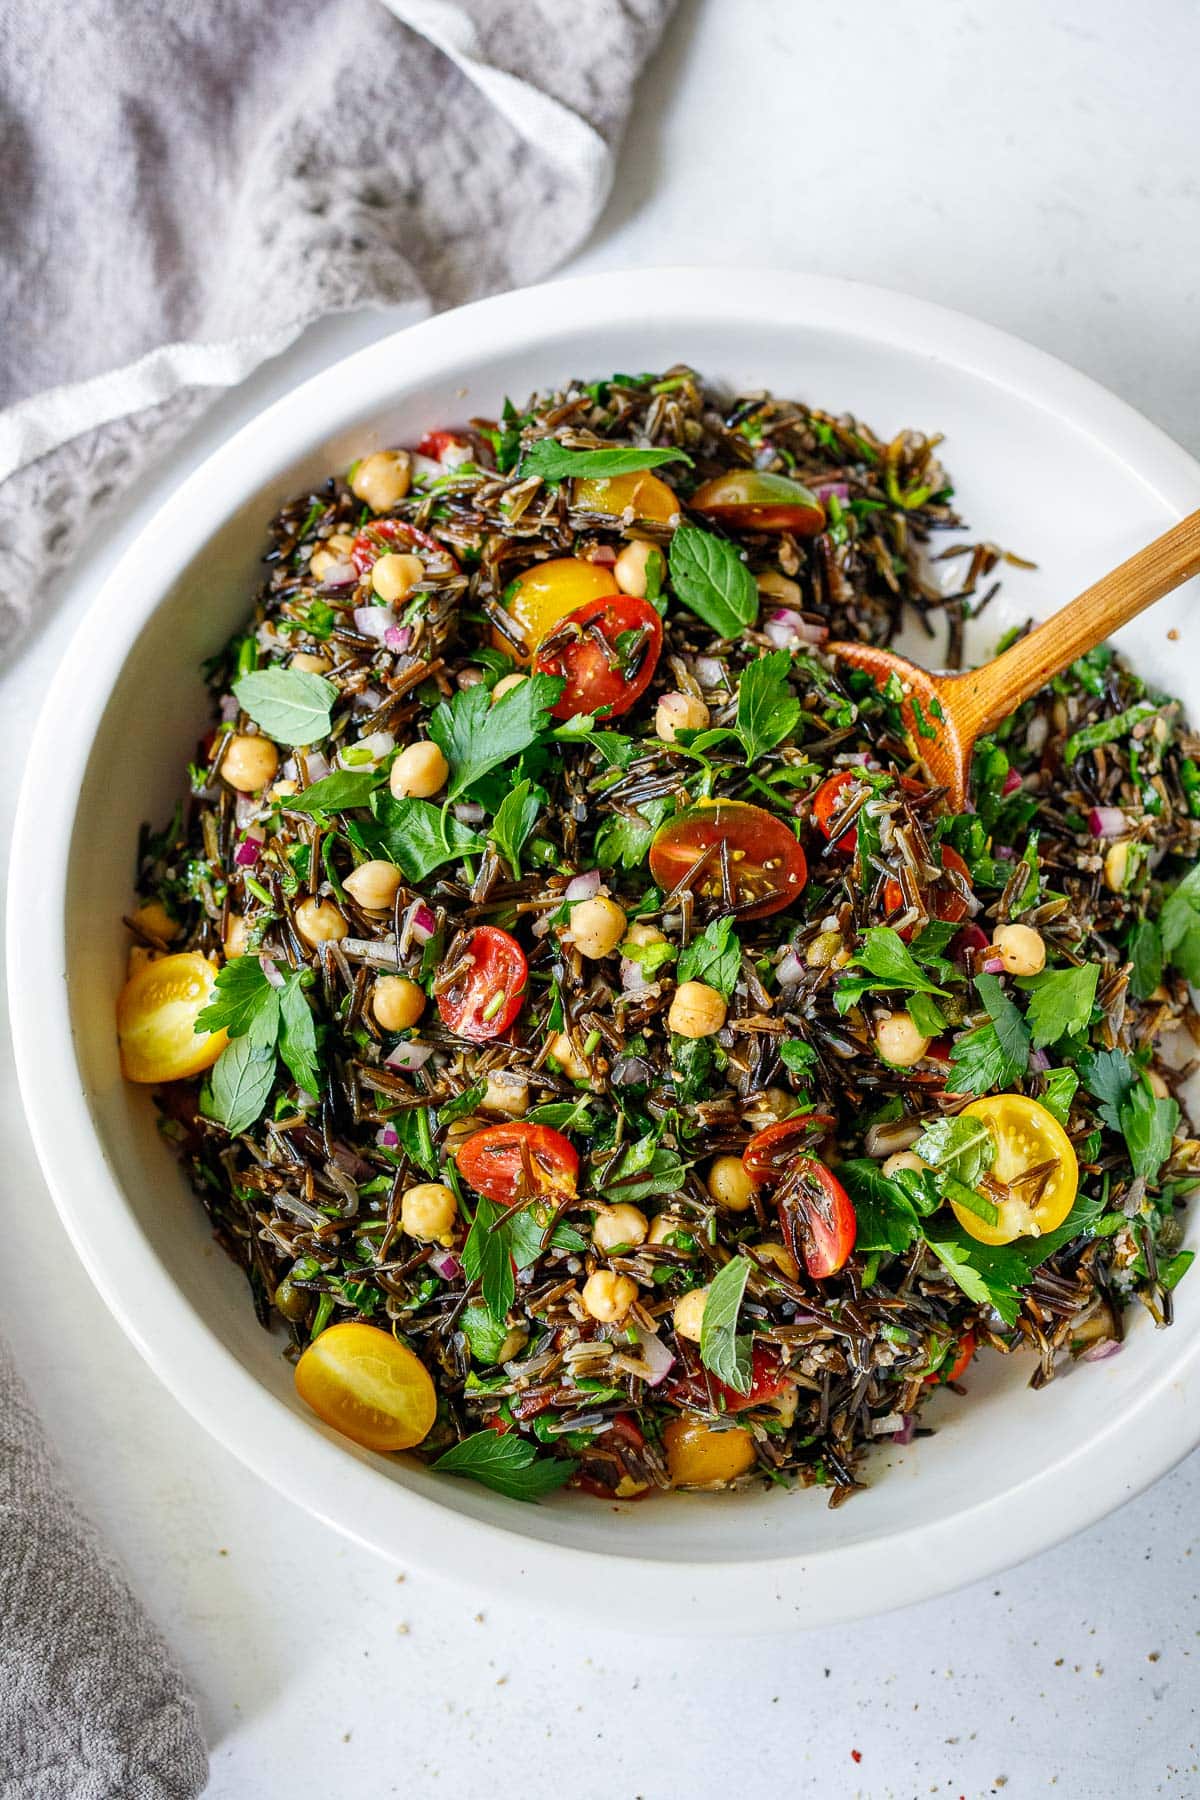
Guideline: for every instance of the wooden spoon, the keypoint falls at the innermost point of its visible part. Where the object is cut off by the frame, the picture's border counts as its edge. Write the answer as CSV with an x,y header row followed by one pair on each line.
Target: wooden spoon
x,y
944,714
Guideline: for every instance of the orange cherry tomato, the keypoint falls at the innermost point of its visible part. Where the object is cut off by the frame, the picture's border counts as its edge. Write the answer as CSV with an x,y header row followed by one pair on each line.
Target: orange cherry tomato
x,y
817,1216
957,1368
486,996
509,1162
649,496
946,902
750,500
367,1386
704,1455
382,536
1027,1138
606,651
829,800
543,595
769,1151
156,1019
767,867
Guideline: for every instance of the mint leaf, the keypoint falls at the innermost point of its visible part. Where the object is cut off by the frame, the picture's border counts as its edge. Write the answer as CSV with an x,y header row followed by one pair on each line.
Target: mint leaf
x,y
515,818
338,792
1149,1125
1144,948
485,1258
508,1465
767,709
714,957
484,1334
962,1147
298,1037
712,581
721,1349
1179,923
475,733
417,835
554,462
1060,1001
290,705
240,1085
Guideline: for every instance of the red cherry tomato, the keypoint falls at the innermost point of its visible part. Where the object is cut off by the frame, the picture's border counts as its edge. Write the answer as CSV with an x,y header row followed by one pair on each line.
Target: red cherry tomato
x,y
751,500
768,1380
769,1151
509,1162
486,996
435,444
767,867
955,1370
613,1480
815,1211
601,667
946,902
382,536
827,802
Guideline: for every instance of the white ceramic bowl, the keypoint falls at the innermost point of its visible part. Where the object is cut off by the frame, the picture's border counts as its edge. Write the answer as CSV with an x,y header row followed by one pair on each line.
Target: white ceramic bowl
x,y
1047,464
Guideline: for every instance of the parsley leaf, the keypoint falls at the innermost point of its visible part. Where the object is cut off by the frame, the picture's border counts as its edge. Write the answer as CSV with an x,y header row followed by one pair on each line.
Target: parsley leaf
x,y
417,835
475,733
643,1169
484,1334
1060,1089
1060,1001
1144,948
887,1208
721,1348
290,705
555,462
1108,1077
767,709
993,1055
961,1147
714,957
508,1465
515,818
1179,923
992,1274
797,1056
1149,1125
338,792
885,955
712,581
240,1086
627,841
243,1001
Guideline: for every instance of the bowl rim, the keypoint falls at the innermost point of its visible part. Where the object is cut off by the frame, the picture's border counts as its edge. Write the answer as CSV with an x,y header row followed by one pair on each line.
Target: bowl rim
x,y
766,1593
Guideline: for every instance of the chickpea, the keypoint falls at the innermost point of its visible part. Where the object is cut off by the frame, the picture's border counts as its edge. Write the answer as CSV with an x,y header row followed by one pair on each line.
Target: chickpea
x,y
688,1316
903,1159
667,1225
374,885
506,684
514,1342
320,922
729,1184
237,935
898,1041
418,772
640,935
608,1297
629,570
508,1094
568,1058
428,1212
320,565
1021,949
1158,1086
310,663
697,1010
395,575
249,762
618,1226
156,921
679,712
781,1257
380,480
777,587
699,1455
1116,867
397,1002
597,927
823,949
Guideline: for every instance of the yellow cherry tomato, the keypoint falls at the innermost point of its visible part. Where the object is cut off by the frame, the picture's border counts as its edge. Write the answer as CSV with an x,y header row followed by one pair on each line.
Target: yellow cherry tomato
x,y
547,592
1026,1137
649,497
700,1456
367,1386
156,1019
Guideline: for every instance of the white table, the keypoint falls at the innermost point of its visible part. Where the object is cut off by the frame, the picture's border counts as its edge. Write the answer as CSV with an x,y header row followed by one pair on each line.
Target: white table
x,y
1034,164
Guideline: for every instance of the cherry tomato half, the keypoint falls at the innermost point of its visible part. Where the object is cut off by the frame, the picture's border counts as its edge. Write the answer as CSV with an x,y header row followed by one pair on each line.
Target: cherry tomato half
x,y
945,901
367,1386
817,1216
546,592
509,1162
435,444
156,1019
1035,1160
750,500
382,536
768,1380
769,1151
649,496
607,652
767,867
703,1455
604,1469
829,800
956,1368
486,996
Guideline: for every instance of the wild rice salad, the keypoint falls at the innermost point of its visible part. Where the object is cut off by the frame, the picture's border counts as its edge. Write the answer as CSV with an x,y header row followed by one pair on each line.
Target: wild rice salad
x,y
604,1053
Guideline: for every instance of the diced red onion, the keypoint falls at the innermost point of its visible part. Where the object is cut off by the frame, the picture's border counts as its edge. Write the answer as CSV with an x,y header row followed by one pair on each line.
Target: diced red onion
x,y
856,759
350,1163
317,766
425,468
409,1056
790,970
583,887
373,621
245,810
628,1069
711,672
388,1137
905,1433
274,978
1102,1351
1039,1060
633,976
788,629
247,852
604,557
469,812
445,1264
657,1356
370,700
229,708
541,925
1107,822
1012,782
823,489
420,922
398,637
341,573
993,965
379,743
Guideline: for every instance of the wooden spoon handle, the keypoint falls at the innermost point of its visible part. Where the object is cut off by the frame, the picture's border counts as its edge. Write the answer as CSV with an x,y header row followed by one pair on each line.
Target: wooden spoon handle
x,y
985,696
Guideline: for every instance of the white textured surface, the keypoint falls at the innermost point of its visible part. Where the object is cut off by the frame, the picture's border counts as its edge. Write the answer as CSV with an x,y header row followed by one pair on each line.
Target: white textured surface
x,y
1034,165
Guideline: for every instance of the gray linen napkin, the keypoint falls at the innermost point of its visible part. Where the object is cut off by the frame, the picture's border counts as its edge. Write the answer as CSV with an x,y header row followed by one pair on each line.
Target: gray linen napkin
x,y
183,187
